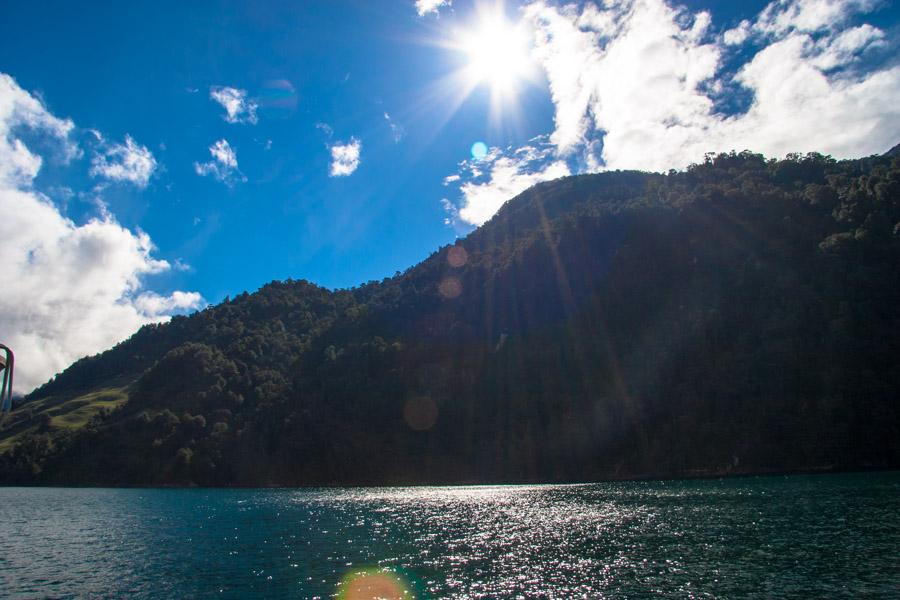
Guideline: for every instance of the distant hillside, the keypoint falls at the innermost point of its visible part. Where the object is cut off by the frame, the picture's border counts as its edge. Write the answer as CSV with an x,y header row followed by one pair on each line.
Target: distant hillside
x,y
742,316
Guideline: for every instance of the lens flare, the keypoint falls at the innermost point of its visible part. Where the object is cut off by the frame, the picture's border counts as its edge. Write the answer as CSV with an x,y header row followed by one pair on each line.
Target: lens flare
x,y
373,585
457,256
450,288
278,98
479,150
420,413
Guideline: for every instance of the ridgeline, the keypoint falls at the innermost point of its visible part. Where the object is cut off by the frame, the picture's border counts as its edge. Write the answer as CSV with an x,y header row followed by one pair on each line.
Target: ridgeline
x,y
742,316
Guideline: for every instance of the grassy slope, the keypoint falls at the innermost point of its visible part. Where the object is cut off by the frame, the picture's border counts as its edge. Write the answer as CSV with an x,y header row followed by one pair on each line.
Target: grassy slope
x,y
65,412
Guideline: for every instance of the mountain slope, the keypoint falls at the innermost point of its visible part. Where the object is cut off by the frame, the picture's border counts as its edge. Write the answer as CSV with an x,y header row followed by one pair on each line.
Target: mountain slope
x,y
741,316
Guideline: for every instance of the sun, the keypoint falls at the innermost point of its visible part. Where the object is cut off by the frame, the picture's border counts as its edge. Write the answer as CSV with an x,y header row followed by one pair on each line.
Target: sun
x,y
497,52
494,52
486,51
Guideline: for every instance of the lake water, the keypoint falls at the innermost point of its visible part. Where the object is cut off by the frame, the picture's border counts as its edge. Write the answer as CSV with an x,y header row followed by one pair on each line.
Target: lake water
x,y
768,537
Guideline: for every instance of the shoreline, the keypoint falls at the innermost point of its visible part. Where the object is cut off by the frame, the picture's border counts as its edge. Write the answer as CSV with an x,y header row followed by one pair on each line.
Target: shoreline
x,y
659,479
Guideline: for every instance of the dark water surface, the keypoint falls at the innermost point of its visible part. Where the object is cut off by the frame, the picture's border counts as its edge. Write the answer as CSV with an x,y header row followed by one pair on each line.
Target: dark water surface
x,y
797,536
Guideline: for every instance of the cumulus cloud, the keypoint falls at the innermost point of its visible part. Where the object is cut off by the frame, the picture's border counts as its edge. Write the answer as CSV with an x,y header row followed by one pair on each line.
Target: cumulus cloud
x,y
18,108
808,16
345,157
493,180
127,162
646,84
642,78
223,166
239,108
69,290
424,7
737,35
151,303
224,154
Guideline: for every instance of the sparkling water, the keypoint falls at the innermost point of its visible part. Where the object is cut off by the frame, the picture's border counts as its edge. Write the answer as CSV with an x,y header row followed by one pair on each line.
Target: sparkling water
x,y
769,537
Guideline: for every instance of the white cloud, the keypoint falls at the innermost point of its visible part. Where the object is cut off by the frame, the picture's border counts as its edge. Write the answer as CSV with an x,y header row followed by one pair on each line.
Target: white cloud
x,y
637,84
129,162
501,176
561,47
642,78
224,166
738,35
396,130
452,212
69,290
809,16
423,7
846,48
239,108
151,303
345,157
224,154
18,108
325,128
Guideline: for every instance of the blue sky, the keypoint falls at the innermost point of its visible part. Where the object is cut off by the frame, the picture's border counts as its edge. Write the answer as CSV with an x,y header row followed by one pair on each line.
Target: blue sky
x,y
347,152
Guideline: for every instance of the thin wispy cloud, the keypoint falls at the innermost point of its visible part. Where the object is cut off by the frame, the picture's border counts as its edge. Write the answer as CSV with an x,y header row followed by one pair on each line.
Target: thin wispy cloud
x,y
345,157
224,164
70,289
397,131
325,128
128,162
239,107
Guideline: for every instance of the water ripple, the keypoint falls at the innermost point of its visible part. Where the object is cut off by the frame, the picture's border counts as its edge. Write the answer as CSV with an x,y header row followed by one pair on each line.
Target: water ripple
x,y
774,537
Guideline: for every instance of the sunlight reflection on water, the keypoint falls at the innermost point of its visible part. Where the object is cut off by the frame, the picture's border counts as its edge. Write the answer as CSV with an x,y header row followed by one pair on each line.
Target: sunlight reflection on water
x,y
768,537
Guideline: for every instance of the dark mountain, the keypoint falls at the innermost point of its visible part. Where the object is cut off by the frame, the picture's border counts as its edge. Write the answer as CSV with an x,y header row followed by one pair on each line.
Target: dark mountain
x,y
741,316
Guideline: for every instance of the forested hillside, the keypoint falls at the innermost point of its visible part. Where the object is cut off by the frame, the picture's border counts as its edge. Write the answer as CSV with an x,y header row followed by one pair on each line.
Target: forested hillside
x,y
741,316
